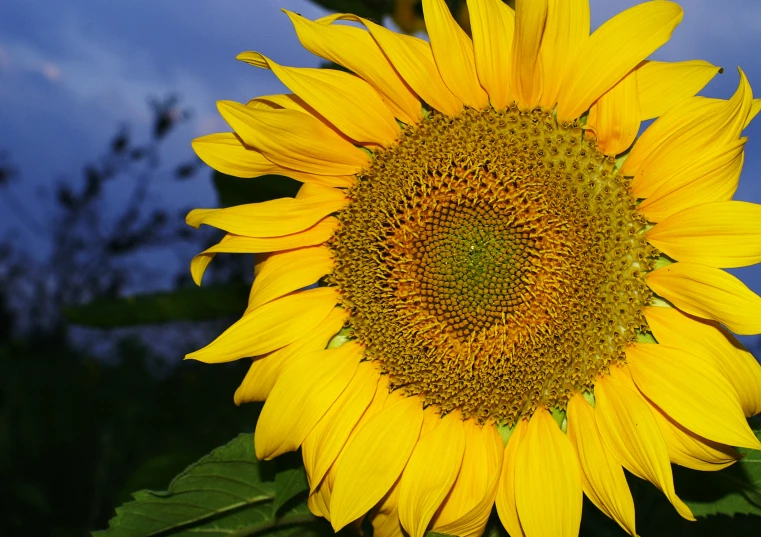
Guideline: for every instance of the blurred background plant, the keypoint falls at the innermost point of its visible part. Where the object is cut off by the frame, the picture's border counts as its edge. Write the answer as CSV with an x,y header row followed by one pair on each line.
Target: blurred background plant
x,y
94,401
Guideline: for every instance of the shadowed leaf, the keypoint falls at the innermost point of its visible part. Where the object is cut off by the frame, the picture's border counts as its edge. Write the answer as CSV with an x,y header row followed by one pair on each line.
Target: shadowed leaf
x,y
225,493
239,191
189,304
735,490
289,484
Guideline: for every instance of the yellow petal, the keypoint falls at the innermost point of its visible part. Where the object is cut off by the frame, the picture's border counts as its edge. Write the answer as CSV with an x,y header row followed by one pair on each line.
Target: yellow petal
x,y
692,390
430,473
319,500
706,127
629,430
547,480
755,108
374,460
710,293
285,272
345,100
699,336
665,127
356,50
466,509
378,403
453,52
270,327
720,234
614,118
713,176
413,60
691,450
663,85
323,444
272,218
506,506
289,101
493,25
602,477
317,234
525,72
613,50
566,30
305,390
294,140
265,370
227,153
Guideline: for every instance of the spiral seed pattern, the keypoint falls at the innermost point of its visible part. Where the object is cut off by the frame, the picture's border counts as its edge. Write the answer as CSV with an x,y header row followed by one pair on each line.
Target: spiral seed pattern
x,y
492,262
470,262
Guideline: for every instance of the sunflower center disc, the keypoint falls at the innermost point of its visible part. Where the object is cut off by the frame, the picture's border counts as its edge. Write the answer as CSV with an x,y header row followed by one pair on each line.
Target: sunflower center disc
x,y
492,262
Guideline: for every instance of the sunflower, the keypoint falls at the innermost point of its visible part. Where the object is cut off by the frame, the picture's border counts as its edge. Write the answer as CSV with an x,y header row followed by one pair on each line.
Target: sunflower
x,y
488,289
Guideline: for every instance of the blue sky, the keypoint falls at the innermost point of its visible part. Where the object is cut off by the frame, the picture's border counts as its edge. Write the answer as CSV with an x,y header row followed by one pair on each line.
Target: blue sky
x,y
72,72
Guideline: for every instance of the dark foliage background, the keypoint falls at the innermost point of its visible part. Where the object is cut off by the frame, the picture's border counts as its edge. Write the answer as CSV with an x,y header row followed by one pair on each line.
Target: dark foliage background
x,y
94,400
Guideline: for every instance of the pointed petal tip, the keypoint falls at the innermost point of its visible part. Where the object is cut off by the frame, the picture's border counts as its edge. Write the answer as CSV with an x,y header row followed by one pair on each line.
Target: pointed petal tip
x,y
226,107
253,58
193,218
338,522
195,142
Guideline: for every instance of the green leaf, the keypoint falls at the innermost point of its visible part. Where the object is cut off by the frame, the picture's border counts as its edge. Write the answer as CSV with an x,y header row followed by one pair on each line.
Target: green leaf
x,y
188,304
226,493
238,191
732,491
289,484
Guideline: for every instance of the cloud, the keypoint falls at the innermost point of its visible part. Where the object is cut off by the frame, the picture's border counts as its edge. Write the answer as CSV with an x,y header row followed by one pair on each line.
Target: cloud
x,y
71,71
50,71
5,58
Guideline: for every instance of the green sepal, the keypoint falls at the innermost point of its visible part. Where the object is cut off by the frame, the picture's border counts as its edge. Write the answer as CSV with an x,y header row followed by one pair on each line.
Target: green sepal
x,y
645,337
340,338
559,415
505,432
